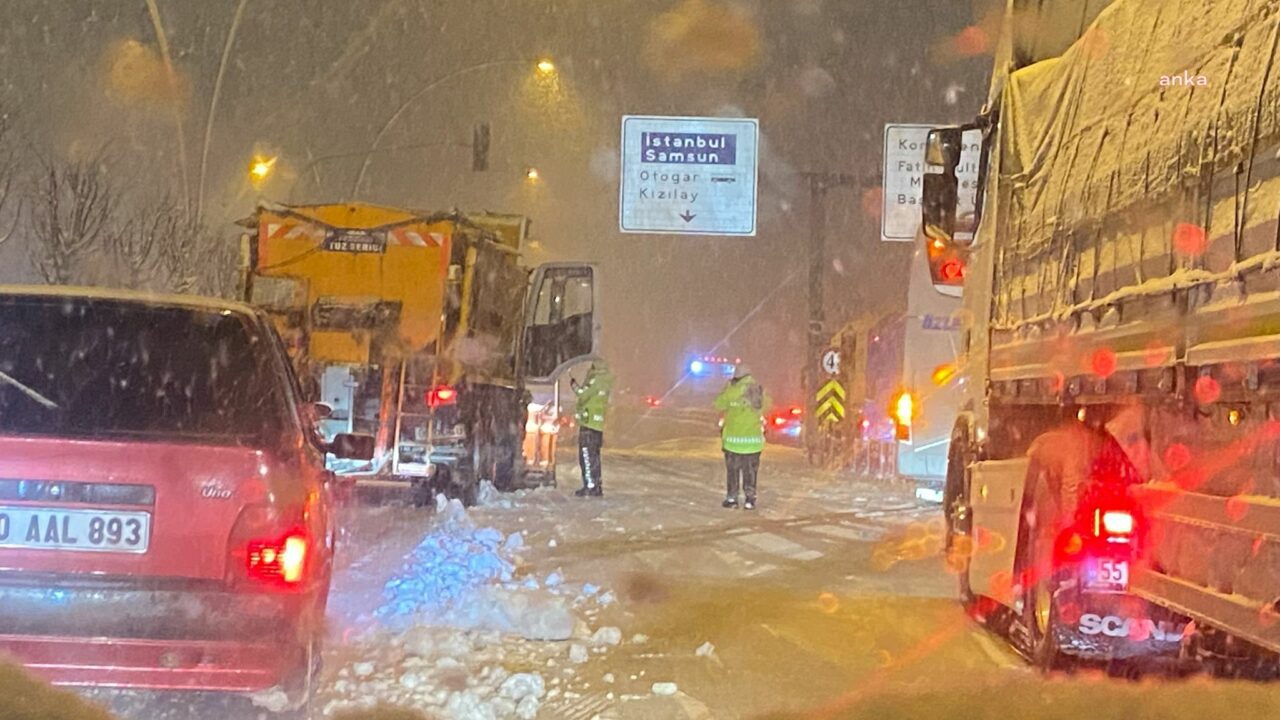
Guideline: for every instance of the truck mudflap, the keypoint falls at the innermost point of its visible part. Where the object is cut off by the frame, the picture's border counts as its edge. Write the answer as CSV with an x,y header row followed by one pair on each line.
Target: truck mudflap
x,y
1115,626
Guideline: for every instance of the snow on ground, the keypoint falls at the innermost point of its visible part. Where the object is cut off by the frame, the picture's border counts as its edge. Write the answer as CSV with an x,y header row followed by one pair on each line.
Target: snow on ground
x,y
466,630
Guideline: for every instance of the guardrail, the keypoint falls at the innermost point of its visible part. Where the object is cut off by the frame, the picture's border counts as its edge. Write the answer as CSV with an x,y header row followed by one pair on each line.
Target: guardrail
x,y
874,459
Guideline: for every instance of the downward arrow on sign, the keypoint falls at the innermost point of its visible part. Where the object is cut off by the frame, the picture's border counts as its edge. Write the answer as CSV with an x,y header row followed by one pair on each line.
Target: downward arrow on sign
x,y
688,216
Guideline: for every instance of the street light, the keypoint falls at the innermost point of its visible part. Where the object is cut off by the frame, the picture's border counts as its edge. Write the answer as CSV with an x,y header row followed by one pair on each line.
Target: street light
x,y
546,67
260,169
532,175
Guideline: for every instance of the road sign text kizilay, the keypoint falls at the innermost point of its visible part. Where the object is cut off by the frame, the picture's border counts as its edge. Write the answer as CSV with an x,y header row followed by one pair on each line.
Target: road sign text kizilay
x,y
688,175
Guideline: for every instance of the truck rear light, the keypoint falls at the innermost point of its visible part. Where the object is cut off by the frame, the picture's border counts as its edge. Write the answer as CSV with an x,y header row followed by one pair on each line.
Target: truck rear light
x,y
441,395
1113,522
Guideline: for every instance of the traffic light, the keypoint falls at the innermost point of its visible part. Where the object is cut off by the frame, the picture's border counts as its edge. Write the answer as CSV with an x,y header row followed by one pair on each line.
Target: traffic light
x,y
948,262
480,147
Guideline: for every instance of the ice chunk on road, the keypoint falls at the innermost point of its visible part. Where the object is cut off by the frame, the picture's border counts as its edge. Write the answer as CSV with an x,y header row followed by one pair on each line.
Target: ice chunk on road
x,y
552,542
639,638
418,642
363,669
665,688
528,708
706,649
607,636
554,579
589,589
467,705
578,654
486,494
523,685
607,598
514,542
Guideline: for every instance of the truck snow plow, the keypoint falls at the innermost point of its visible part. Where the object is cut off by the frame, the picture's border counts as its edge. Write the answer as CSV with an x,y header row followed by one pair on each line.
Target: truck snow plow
x,y
1113,484
424,331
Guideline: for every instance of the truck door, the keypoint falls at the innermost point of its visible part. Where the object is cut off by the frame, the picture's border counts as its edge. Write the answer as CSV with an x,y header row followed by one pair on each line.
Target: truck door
x,y
562,320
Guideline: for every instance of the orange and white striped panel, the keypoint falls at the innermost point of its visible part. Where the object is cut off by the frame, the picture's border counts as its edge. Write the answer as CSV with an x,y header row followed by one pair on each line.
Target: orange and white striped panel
x,y
407,236
288,231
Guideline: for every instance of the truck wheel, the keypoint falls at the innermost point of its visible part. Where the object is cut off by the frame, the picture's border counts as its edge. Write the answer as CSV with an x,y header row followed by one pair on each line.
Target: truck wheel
x,y
1039,579
506,454
423,490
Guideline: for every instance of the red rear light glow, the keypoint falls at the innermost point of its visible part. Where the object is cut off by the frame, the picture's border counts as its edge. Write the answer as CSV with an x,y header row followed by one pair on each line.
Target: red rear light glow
x,y
441,395
952,270
779,421
282,560
1117,522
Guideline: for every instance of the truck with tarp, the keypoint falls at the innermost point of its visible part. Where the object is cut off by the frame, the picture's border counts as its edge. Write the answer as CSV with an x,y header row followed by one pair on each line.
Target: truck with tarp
x,y
424,331
1113,483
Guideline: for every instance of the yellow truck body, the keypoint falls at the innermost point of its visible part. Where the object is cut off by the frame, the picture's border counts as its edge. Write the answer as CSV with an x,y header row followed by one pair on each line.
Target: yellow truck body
x,y
357,256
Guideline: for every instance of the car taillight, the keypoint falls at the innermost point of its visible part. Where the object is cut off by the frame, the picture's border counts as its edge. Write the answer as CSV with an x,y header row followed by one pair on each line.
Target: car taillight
x,y
269,546
441,395
779,421
282,560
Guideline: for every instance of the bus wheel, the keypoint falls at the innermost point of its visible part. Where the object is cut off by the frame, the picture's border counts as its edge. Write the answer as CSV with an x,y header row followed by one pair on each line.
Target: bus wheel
x,y
959,539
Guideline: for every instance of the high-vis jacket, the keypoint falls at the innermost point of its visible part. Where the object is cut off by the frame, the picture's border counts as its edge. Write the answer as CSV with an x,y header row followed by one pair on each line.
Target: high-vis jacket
x,y
593,398
744,403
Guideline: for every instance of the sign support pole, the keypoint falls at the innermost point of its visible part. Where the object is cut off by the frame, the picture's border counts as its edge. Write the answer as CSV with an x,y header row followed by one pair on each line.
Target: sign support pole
x,y
819,184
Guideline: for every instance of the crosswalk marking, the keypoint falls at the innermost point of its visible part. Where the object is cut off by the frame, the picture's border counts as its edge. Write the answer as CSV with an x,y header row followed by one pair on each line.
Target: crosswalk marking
x,y
855,532
776,545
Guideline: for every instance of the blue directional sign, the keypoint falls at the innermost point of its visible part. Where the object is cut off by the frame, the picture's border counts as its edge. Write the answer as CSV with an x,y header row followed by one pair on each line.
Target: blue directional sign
x,y
689,175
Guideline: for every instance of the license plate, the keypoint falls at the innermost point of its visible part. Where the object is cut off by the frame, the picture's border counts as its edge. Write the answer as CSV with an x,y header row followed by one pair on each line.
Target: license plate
x,y
35,528
1106,575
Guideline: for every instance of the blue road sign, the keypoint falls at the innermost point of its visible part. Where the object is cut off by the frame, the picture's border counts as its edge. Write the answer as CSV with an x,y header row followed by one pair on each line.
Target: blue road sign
x,y
688,175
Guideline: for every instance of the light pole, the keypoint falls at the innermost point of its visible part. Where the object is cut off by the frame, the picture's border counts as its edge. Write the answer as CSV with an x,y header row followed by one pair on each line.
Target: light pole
x,y
542,66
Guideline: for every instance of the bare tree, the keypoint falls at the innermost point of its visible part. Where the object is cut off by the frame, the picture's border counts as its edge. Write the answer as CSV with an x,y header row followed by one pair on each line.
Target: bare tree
x,y
10,201
73,208
136,247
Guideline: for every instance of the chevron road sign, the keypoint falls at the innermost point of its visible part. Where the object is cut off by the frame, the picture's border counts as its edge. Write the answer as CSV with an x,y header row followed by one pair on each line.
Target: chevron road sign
x,y
831,402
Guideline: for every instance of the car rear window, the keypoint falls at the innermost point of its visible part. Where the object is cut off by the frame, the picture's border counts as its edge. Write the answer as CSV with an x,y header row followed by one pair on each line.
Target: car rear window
x,y
85,368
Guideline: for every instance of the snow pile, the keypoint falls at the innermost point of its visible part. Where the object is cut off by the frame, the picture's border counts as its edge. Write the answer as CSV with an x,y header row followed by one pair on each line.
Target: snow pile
x,y
459,617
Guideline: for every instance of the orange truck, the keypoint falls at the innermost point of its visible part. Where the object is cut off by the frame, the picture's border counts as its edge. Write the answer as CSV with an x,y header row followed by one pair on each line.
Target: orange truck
x,y
425,332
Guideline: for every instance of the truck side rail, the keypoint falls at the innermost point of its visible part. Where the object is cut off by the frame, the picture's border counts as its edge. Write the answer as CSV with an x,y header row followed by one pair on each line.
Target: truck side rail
x,y
1215,559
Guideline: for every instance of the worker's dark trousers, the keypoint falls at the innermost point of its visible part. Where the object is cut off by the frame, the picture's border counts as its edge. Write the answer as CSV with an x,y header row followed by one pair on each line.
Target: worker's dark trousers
x,y
589,444
743,470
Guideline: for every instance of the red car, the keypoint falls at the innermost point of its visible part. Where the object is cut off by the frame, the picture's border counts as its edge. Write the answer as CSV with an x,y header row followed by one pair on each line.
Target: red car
x,y
784,426
166,518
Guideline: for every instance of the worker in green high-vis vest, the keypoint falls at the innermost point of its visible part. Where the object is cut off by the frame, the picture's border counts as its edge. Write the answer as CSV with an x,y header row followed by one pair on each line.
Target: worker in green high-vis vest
x,y
593,404
744,403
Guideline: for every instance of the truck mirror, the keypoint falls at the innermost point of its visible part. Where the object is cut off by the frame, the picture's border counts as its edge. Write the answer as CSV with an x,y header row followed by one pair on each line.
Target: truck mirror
x,y
351,446
943,147
938,206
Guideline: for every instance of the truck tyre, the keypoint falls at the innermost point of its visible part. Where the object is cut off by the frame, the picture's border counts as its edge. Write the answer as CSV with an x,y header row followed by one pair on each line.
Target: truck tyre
x,y
505,452
1039,579
959,518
